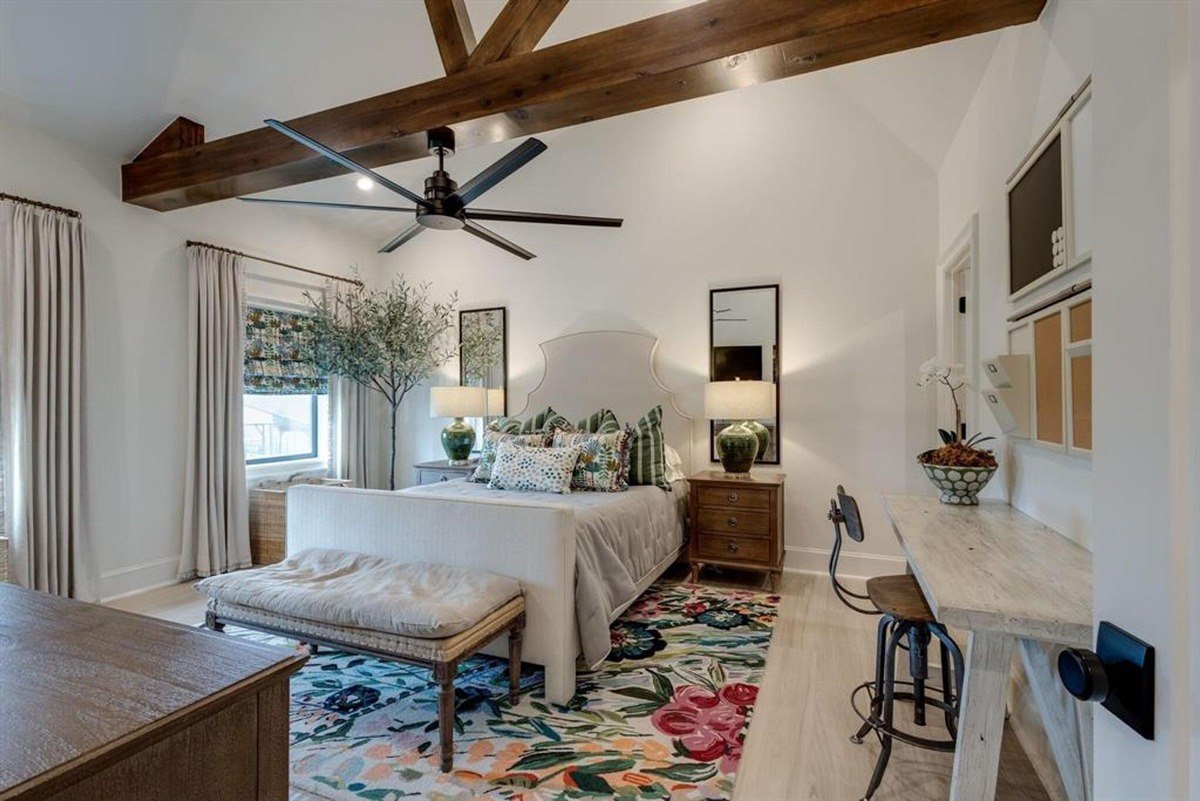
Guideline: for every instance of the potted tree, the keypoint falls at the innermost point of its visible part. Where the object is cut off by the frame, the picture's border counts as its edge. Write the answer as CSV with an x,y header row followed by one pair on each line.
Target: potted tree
x,y
388,340
959,468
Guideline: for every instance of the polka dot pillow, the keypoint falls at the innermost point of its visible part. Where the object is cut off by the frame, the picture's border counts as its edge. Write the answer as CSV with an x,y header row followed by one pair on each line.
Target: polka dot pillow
x,y
534,469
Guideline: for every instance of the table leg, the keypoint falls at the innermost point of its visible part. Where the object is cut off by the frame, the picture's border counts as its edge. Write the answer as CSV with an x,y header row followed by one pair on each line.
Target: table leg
x,y
981,717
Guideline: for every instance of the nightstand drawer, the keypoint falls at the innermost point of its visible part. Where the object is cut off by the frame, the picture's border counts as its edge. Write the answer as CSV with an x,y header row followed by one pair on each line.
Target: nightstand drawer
x,y
735,497
741,549
733,521
438,476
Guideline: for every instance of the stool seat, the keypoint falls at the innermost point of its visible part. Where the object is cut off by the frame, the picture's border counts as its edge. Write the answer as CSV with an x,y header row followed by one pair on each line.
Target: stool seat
x,y
899,597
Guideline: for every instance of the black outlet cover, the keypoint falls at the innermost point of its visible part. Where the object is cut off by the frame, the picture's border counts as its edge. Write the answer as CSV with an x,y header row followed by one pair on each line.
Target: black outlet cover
x,y
1129,663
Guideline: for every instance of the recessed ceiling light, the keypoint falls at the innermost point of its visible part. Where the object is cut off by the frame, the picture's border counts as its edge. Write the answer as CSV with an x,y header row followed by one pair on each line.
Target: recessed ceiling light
x,y
365,184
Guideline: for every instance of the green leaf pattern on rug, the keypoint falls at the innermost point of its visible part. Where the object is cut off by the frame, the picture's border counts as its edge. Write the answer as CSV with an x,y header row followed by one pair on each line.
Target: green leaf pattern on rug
x,y
665,717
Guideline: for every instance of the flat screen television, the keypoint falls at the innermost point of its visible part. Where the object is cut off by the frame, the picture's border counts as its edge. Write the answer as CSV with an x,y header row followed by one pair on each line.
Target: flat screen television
x,y
1035,212
737,363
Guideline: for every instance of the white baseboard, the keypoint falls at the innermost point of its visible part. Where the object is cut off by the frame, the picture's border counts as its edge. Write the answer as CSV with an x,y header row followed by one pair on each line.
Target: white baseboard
x,y
797,559
132,579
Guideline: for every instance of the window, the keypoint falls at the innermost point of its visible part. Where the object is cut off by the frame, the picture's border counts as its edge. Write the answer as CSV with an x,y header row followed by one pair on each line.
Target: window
x,y
285,409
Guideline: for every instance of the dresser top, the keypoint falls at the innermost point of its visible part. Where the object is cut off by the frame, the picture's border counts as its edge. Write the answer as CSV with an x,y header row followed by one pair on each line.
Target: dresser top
x,y
760,479
992,567
77,678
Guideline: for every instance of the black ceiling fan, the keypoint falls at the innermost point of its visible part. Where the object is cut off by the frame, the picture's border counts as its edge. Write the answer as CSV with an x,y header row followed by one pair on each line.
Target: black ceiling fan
x,y
445,205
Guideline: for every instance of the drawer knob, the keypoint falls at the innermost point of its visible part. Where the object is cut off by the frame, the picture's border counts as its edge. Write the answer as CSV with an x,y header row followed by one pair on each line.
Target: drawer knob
x,y
731,546
732,497
732,522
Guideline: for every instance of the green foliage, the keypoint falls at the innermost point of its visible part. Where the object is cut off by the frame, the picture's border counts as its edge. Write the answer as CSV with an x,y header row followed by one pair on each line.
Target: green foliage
x,y
481,346
388,340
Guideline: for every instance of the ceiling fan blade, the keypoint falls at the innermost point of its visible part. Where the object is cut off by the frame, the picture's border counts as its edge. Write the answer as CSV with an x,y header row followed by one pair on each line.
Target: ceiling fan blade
x,y
323,204
514,160
405,235
339,159
538,217
495,239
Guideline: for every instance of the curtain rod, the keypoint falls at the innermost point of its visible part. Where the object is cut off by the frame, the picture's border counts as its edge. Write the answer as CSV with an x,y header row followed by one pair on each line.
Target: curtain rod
x,y
40,205
193,243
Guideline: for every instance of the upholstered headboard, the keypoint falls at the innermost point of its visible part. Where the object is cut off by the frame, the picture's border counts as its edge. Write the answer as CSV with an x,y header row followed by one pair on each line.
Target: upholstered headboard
x,y
610,369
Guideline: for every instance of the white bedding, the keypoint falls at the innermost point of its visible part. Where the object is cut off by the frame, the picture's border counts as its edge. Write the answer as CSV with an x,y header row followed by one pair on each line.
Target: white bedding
x,y
624,540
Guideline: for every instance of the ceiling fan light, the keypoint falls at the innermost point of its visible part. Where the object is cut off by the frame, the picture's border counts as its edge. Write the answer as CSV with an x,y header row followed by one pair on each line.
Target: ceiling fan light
x,y
365,184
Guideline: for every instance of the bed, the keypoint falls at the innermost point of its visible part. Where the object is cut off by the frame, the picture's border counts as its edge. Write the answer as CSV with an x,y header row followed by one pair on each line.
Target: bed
x,y
581,558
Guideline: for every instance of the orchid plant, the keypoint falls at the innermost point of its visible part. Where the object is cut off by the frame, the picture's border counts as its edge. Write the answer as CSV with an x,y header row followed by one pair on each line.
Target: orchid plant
x,y
938,371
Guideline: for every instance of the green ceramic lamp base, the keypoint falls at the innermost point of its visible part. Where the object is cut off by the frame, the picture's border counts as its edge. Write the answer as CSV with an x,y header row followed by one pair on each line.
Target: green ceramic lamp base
x,y
457,440
737,445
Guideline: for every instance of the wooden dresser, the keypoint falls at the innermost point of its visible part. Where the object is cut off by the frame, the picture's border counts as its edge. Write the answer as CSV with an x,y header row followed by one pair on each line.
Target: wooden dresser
x,y
442,470
103,704
737,522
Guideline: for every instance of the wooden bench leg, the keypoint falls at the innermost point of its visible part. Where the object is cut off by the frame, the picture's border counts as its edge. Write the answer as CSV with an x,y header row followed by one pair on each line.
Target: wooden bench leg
x,y
210,620
515,635
444,672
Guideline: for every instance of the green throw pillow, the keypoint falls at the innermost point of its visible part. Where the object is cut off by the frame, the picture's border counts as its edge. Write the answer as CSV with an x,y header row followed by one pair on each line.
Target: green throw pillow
x,y
648,451
601,422
546,422
505,425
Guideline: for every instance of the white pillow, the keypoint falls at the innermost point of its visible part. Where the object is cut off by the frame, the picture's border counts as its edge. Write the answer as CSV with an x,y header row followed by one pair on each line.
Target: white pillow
x,y
534,469
674,466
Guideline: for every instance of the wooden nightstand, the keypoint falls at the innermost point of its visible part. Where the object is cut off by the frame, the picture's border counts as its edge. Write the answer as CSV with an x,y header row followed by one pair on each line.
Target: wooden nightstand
x,y
442,470
737,522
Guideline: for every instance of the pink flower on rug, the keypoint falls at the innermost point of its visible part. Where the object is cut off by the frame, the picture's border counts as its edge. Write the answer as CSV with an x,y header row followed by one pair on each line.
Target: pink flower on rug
x,y
708,725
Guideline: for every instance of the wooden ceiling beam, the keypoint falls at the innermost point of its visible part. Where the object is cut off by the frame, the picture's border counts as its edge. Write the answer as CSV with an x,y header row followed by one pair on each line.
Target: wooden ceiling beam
x,y
179,134
518,28
699,50
453,32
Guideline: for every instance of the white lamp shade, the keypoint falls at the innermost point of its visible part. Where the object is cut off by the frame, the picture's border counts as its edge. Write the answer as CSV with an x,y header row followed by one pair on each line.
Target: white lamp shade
x,y
739,400
495,402
457,401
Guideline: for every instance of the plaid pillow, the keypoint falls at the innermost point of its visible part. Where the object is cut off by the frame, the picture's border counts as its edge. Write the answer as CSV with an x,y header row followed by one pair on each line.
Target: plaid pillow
x,y
603,464
601,422
492,440
648,451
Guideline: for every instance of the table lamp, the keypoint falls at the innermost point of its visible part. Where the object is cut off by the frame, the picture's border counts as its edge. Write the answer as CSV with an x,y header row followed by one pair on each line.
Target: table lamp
x,y
742,402
458,402
495,402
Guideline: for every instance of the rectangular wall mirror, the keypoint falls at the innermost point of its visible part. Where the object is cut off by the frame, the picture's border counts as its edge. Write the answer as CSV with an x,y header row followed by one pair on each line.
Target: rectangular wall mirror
x,y
744,345
483,358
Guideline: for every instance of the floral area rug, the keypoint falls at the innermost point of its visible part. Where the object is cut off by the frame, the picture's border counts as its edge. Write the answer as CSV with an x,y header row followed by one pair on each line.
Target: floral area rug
x,y
665,717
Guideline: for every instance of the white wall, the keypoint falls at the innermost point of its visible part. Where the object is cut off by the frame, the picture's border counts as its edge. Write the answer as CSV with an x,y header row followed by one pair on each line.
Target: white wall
x,y
1034,70
786,182
136,325
1146,533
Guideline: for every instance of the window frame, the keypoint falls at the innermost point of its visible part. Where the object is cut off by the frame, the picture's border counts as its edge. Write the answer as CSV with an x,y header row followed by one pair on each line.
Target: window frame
x,y
315,428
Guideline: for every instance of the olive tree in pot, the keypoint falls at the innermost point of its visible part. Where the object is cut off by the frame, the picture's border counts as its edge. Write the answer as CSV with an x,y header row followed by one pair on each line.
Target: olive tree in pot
x,y
387,340
959,468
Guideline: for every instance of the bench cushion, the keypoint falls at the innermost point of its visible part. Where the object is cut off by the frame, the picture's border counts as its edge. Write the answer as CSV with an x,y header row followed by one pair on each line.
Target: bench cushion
x,y
371,593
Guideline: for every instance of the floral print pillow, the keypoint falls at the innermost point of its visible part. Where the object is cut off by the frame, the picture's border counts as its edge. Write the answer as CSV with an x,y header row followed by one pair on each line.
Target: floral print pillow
x,y
534,469
492,440
603,461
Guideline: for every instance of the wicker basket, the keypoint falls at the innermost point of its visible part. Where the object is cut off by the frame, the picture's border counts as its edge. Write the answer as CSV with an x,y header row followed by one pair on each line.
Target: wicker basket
x,y
3,558
268,518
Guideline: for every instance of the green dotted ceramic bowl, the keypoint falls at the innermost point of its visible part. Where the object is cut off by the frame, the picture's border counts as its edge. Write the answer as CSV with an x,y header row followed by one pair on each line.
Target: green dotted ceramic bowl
x,y
960,486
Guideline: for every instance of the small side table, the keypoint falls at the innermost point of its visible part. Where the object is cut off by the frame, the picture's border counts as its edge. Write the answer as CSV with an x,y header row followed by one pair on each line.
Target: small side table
x,y
737,522
442,470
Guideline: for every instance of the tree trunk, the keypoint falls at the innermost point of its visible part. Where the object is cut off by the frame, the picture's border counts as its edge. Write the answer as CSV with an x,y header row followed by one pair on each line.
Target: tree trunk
x,y
392,461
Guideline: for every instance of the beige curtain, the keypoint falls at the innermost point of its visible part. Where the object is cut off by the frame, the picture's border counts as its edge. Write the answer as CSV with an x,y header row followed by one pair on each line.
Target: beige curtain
x,y
216,528
351,424
41,398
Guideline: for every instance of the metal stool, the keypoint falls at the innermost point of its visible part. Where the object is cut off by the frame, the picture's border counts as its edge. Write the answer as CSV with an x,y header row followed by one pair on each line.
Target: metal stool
x,y
905,623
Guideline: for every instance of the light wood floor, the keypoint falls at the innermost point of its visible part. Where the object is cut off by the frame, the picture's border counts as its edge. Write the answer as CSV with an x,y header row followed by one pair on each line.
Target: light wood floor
x,y
798,746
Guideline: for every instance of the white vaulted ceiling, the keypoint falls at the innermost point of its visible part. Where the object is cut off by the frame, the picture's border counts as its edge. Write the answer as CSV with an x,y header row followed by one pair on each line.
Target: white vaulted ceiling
x,y
111,73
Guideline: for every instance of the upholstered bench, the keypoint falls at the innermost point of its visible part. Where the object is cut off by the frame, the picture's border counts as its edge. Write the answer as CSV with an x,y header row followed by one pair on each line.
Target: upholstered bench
x,y
423,614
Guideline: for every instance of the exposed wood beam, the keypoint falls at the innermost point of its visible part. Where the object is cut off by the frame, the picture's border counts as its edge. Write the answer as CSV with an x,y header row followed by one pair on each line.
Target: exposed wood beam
x,y
452,29
518,28
181,133
695,51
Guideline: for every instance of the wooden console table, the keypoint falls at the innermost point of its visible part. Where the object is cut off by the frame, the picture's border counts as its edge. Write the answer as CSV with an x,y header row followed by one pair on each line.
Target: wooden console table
x,y
99,703
1005,578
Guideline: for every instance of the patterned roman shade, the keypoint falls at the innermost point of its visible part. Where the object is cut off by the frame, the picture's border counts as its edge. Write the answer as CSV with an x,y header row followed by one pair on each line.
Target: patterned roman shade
x,y
274,342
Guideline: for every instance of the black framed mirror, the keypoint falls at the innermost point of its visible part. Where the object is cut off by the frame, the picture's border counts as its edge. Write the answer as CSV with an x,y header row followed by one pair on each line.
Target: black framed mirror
x,y
743,345
483,356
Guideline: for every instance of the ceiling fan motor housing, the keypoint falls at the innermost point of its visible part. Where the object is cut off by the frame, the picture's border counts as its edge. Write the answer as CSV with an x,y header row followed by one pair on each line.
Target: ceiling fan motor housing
x,y
441,214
